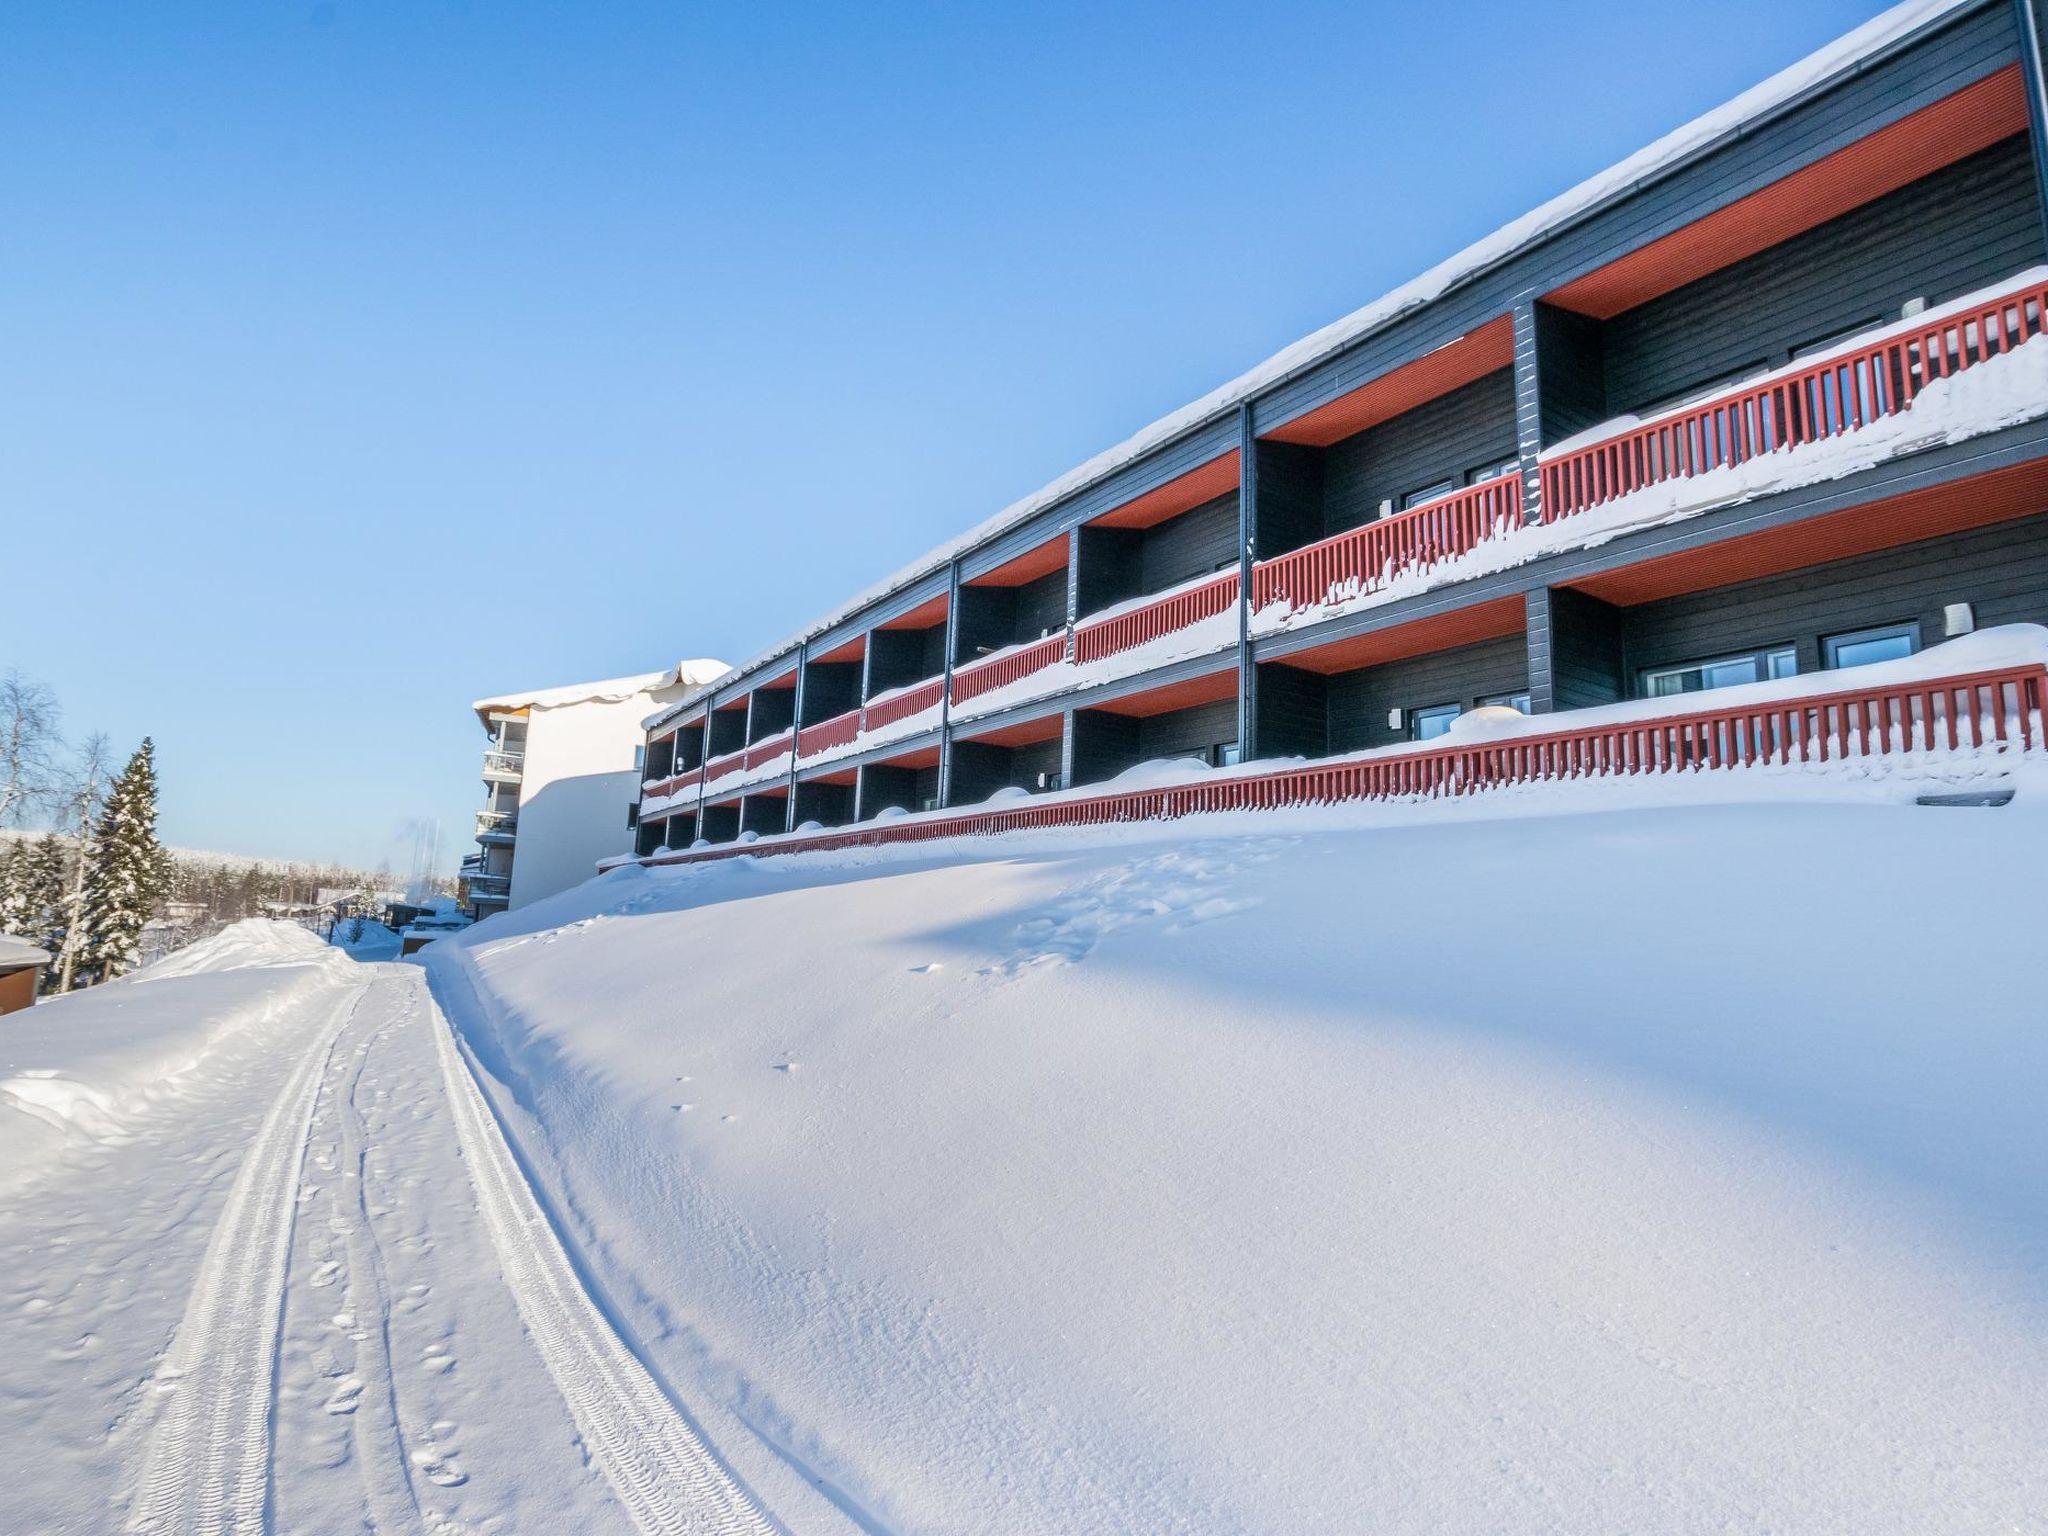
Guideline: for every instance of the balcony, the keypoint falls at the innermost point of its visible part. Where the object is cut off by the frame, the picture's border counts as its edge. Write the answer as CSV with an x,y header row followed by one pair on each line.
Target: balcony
x,y
506,766
496,826
901,703
1008,666
725,765
488,887
1854,387
1367,558
829,735
762,753
1127,628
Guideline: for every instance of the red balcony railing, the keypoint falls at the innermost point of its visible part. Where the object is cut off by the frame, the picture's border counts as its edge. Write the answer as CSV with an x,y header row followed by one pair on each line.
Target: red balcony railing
x,y
1368,557
2001,710
903,703
977,678
718,767
1098,638
1840,393
767,751
827,734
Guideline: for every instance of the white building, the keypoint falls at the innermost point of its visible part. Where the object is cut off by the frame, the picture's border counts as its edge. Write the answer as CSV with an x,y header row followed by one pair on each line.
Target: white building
x,y
560,771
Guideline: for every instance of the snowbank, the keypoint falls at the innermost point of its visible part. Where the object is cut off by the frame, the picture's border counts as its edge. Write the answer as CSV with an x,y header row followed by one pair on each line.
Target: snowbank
x,y
1668,1170
84,1065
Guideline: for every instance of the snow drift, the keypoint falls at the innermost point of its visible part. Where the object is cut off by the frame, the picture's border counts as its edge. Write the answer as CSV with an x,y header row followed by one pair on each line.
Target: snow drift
x,y
84,1065
1445,1168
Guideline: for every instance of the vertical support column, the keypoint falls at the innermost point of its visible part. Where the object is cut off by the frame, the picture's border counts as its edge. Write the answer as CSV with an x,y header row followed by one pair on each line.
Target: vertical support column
x,y
1540,637
1528,408
796,725
1067,749
1073,576
946,684
2032,71
1247,552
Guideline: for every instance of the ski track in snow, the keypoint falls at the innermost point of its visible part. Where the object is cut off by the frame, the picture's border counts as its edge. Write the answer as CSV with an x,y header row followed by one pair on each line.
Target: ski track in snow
x,y
207,1466
661,1470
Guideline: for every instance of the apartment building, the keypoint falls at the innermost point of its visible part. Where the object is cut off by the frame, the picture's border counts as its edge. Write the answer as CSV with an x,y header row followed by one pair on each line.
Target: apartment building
x,y
1765,400
558,765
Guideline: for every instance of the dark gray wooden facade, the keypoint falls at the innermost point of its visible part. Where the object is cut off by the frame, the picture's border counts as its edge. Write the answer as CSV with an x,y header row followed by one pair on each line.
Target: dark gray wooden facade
x,y
1958,228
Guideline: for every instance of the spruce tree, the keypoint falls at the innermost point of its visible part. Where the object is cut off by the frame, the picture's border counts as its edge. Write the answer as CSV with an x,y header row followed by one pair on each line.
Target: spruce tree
x,y
13,886
129,869
36,905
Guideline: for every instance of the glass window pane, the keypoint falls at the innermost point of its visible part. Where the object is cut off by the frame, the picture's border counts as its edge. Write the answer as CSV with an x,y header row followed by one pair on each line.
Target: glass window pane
x,y
1730,674
1518,701
1433,721
1870,645
1428,493
1784,663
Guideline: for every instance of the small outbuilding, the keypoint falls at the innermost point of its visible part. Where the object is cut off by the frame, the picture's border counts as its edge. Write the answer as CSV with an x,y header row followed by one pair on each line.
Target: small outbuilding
x,y
21,971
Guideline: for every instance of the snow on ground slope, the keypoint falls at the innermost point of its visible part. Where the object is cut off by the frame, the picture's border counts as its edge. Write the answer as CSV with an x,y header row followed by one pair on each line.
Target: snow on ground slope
x,y
1673,1169
276,1296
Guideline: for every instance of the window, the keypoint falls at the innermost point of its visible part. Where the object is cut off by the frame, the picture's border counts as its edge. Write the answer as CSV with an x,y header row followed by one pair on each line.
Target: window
x,y
1518,701
640,756
1500,471
1431,721
1867,645
1722,672
1428,493
1706,388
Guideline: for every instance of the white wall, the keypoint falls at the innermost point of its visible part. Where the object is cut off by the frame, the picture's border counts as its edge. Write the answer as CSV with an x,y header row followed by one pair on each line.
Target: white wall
x,y
578,780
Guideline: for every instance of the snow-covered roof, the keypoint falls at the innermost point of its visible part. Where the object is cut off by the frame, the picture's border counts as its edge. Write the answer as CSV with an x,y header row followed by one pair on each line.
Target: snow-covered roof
x,y
1734,117
16,952
694,673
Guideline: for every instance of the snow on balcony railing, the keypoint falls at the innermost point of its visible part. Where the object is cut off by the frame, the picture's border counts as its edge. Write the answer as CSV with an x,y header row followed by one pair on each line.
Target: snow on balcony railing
x,y
839,731
504,762
1129,627
496,821
1908,714
762,752
1849,388
902,703
1007,667
1367,557
728,763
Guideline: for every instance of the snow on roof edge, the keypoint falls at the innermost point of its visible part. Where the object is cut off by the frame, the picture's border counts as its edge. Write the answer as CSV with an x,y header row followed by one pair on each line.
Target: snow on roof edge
x,y
1844,56
699,672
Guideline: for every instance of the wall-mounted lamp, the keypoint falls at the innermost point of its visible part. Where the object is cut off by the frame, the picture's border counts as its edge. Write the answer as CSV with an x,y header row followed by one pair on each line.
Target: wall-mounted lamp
x,y
1394,720
1958,619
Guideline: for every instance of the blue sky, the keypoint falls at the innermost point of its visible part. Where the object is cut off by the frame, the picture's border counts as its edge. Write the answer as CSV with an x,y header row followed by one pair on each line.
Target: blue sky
x,y
362,359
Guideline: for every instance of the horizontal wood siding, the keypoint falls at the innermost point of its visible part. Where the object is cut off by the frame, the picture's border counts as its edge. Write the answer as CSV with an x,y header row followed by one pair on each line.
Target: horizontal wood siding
x,y
829,805
1190,545
1294,719
1571,373
1104,745
2001,571
1290,497
1441,439
1359,700
1962,228
882,785
831,688
1181,732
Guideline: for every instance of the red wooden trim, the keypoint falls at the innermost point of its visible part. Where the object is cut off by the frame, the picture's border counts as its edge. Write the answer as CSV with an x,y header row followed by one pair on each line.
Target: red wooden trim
x,y
827,734
1838,394
979,677
2004,709
904,704
1097,638
719,767
767,751
1372,555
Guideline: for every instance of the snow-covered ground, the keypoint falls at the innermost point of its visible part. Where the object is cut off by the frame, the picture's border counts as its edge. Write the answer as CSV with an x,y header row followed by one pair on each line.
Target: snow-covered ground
x,y
1653,1156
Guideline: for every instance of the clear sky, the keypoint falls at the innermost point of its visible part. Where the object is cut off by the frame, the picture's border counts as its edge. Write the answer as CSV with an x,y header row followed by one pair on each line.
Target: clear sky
x,y
362,359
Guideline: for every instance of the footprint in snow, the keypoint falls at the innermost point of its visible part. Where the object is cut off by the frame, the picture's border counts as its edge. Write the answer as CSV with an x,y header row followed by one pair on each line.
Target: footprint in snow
x,y
348,1392
927,969
325,1275
785,1066
437,1359
439,1467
